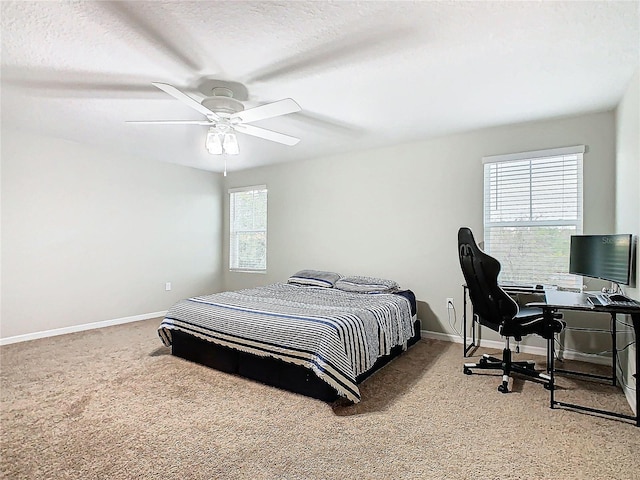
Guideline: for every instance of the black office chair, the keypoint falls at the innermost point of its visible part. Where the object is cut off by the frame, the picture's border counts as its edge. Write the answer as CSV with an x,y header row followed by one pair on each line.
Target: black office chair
x,y
495,309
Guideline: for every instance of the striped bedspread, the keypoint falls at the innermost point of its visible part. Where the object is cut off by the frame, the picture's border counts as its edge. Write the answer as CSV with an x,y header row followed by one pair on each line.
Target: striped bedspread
x,y
337,334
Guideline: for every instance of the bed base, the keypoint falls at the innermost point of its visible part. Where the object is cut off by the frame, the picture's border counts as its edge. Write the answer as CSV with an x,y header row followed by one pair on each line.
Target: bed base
x,y
268,370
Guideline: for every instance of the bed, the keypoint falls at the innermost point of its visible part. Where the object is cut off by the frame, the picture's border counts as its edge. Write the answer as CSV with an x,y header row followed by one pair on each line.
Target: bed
x,y
319,334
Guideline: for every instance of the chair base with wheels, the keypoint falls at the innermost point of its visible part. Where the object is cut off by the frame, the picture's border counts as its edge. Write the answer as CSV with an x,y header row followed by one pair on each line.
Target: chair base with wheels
x,y
525,368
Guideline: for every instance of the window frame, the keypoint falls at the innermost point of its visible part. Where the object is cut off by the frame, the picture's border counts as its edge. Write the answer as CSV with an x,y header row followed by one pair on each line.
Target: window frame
x,y
234,231
566,280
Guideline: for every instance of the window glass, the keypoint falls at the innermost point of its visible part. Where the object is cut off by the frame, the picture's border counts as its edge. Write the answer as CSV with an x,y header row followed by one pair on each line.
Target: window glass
x,y
248,229
532,206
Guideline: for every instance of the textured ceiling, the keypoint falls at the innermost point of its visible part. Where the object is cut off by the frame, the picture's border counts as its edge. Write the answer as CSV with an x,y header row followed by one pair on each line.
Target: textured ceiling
x,y
366,74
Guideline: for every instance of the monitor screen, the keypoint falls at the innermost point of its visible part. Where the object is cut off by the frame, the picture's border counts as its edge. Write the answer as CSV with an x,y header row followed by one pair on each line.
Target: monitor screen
x,y
607,257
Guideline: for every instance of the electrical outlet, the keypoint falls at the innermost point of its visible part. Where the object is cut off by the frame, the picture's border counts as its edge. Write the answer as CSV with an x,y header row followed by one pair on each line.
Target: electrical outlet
x,y
449,303
167,286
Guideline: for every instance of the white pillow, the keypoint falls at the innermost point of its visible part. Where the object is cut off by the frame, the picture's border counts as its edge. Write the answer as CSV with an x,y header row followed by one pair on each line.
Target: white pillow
x,y
316,278
366,285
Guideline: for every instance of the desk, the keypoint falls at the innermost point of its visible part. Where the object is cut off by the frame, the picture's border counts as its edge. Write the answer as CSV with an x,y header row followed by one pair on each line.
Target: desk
x,y
467,348
560,300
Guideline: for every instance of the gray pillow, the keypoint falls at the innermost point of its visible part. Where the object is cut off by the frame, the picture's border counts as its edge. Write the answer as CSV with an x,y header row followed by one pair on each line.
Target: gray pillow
x,y
366,285
316,278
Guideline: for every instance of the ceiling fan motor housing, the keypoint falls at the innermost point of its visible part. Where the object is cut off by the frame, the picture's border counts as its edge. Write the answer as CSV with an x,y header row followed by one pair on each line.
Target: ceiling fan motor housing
x,y
223,105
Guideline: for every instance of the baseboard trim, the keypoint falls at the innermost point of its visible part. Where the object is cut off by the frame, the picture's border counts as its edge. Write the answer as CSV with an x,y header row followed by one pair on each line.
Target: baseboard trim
x,y
533,350
631,396
79,328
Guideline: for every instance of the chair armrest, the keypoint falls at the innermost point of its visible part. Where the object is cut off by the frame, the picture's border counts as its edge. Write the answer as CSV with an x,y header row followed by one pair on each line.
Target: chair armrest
x,y
537,304
543,305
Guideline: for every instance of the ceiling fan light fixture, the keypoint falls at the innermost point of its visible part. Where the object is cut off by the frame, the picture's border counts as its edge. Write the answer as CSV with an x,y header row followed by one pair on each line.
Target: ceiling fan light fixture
x,y
213,143
226,114
230,144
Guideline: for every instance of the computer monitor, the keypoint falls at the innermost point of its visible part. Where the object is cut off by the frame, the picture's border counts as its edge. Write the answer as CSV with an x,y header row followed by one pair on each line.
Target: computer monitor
x,y
607,257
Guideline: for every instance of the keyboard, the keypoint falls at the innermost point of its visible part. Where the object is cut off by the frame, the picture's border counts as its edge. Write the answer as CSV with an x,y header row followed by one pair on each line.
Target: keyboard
x,y
612,300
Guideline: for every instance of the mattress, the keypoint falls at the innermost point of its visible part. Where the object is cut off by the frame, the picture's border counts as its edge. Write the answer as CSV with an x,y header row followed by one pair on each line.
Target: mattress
x,y
337,335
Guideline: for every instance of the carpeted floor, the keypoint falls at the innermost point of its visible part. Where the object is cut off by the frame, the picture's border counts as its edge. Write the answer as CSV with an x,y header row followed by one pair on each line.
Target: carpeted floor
x,y
113,403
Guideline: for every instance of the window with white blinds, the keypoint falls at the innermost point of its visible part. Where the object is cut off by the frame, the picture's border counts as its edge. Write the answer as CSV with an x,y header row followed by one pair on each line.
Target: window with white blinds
x,y
532,206
248,229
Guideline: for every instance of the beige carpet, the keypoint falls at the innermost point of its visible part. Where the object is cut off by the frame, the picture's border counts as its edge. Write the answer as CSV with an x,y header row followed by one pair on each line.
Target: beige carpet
x,y
114,404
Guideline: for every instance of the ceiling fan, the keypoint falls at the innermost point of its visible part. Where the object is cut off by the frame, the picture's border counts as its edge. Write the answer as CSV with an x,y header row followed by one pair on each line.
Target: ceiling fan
x,y
226,115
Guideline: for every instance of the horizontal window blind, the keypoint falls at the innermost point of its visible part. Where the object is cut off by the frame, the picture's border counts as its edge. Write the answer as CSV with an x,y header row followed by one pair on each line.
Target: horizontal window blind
x,y
248,229
532,206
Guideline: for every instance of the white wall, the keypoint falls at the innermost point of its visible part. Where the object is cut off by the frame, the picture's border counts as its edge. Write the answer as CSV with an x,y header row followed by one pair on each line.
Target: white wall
x,y
89,237
394,212
628,203
628,166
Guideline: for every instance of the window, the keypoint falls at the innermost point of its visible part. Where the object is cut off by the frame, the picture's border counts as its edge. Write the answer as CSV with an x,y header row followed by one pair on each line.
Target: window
x,y
248,229
532,206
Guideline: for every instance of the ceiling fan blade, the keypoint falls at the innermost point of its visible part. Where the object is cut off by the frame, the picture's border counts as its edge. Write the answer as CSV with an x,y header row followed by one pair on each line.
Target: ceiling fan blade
x,y
55,82
156,25
307,118
354,46
267,134
281,107
171,122
183,97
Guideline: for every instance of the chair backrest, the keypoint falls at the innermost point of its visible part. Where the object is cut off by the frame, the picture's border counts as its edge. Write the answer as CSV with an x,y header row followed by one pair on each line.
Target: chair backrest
x,y
490,302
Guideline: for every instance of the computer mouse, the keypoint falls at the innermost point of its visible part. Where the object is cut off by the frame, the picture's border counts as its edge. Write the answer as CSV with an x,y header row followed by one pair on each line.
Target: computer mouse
x,y
539,287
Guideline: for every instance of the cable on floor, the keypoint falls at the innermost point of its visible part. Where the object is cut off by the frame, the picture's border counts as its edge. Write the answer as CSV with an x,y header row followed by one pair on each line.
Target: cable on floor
x,y
451,306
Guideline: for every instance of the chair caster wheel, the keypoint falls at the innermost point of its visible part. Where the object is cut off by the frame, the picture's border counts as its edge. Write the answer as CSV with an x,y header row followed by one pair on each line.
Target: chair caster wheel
x,y
467,371
503,388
